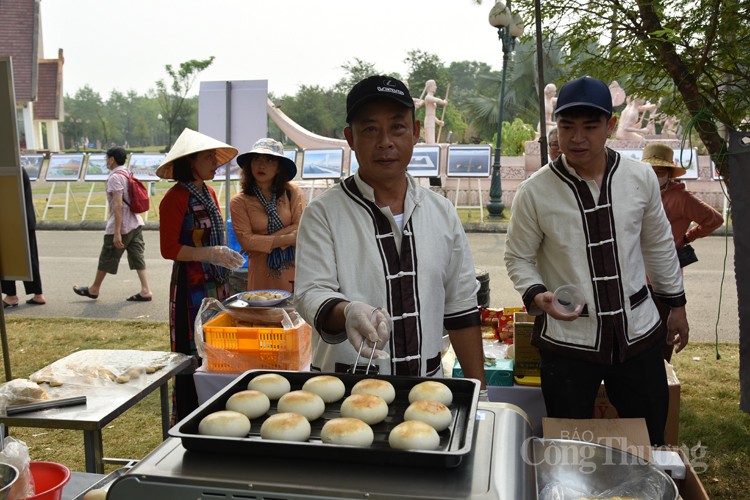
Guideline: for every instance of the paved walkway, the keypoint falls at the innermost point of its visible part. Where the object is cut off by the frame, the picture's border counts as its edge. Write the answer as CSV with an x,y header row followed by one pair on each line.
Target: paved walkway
x,y
70,257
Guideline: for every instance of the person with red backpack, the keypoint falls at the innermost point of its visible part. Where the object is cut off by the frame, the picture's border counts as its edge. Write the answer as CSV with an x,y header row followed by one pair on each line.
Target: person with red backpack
x,y
124,231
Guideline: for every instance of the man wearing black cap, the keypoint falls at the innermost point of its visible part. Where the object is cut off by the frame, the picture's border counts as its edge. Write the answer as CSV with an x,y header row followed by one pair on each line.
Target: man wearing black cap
x,y
594,219
382,260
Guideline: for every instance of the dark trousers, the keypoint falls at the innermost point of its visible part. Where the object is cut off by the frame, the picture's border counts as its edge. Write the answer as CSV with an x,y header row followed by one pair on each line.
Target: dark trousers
x,y
636,388
35,285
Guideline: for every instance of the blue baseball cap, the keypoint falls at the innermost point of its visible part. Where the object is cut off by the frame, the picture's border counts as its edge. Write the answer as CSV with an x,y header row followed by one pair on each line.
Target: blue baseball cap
x,y
585,91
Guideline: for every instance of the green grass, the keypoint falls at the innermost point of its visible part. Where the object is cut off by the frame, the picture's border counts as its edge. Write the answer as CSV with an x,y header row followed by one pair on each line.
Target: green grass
x,y
713,431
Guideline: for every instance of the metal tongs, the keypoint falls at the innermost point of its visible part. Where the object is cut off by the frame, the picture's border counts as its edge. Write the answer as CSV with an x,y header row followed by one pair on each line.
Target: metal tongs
x,y
362,345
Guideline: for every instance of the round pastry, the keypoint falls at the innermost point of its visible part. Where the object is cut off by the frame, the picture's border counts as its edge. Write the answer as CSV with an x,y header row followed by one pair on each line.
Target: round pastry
x,y
434,391
224,423
376,387
272,385
306,403
350,431
414,435
328,387
366,407
286,427
252,404
432,413
97,494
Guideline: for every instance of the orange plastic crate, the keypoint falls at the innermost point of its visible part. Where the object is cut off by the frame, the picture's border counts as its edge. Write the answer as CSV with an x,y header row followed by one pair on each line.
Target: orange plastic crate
x,y
231,348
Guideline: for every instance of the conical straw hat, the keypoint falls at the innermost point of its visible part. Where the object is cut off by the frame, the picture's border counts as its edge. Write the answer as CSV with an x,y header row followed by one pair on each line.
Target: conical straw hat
x,y
190,142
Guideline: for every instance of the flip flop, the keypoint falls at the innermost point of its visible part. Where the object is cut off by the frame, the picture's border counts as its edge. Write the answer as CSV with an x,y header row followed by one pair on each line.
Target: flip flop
x,y
84,292
35,303
138,298
6,305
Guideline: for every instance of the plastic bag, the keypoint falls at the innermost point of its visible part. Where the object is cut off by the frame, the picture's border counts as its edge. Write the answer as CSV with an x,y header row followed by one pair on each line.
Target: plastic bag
x,y
290,351
16,453
20,391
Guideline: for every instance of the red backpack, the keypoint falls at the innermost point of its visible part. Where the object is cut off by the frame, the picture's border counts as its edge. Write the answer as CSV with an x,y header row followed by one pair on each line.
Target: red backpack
x,y
138,194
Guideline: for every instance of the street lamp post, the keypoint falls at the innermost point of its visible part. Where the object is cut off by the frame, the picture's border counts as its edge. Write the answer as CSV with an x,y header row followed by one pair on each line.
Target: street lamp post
x,y
509,27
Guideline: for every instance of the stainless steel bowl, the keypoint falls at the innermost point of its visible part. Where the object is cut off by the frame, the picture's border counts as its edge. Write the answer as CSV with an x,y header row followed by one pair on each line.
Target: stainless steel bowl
x,y
8,478
567,469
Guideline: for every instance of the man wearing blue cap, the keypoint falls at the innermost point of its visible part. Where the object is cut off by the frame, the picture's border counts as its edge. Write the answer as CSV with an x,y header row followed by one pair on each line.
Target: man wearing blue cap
x,y
381,261
594,219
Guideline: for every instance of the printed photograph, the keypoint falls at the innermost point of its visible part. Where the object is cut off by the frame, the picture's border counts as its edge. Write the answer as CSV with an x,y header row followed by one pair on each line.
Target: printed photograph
x,y
425,161
96,167
144,165
64,167
322,163
33,165
469,161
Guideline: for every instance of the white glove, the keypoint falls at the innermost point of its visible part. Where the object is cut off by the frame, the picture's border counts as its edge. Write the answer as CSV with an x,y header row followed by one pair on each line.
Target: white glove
x,y
484,396
221,256
371,325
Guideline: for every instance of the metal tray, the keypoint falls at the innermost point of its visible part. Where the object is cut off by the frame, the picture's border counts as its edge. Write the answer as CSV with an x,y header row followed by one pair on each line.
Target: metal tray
x,y
105,482
455,442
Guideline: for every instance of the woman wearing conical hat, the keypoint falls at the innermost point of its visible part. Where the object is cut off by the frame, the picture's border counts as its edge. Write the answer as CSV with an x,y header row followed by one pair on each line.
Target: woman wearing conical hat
x,y
683,209
192,235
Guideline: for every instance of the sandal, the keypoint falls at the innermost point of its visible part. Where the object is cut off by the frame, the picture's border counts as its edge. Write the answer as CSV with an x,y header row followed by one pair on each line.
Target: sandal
x,y
6,305
84,292
138,298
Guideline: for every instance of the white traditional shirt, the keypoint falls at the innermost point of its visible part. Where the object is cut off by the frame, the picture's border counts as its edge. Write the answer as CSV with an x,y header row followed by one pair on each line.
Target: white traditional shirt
x,y
350,249
604,239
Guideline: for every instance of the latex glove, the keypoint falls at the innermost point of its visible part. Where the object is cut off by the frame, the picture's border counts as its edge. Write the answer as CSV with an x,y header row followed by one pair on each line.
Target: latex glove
x,y
221,256
368,324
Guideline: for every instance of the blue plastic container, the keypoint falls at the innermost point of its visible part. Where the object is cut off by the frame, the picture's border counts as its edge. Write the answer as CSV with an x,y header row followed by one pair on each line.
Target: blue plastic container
x,y
232,241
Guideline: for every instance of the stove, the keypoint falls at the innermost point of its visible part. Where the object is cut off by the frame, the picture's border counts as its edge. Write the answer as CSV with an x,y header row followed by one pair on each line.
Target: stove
x,y
494,469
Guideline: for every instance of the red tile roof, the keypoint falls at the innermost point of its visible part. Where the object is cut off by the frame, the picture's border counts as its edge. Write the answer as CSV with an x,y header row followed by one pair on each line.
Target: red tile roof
x,y
48,105
19,38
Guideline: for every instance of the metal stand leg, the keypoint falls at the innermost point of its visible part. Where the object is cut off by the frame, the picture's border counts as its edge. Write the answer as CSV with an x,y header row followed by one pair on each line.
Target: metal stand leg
x,y
165,420
94,451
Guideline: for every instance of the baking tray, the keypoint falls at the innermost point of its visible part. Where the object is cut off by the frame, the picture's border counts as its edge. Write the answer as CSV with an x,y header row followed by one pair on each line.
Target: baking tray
x,y
455,441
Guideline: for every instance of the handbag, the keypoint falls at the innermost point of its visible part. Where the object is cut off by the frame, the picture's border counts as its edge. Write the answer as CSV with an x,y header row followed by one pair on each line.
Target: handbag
x,y
686,255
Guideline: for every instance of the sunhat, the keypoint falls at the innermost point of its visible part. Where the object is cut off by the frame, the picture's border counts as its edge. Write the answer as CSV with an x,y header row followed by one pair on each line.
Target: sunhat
x,y
584,91
661,155
190,142
271,147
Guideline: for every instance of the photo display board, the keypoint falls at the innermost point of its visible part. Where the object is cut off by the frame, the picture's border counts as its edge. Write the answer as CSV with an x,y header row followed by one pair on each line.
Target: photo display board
x,y
144,165
469,161
322,163
64,167
96,167
235,172
292,155
353,163
688,157
425,161
33,165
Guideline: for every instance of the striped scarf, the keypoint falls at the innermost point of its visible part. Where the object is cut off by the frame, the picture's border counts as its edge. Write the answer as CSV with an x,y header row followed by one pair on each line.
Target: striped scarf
x,y
216,236
278,259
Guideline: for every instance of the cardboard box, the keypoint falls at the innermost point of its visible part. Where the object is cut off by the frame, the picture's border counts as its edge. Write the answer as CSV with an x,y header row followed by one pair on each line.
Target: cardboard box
x,y
501,320
604,409
526,358
629,434
499,374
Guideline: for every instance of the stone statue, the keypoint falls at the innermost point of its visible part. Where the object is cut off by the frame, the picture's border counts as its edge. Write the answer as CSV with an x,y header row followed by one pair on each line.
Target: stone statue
x,y
617,92
630,127
549,104
669,126
430,110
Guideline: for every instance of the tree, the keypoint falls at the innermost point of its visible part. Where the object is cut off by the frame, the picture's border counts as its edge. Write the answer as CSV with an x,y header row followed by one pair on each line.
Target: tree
x,y
693,52
172,97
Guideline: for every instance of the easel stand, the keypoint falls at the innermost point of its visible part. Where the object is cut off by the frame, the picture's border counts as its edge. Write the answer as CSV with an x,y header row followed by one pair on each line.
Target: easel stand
x,y
311,191
68,197
91,205
480,207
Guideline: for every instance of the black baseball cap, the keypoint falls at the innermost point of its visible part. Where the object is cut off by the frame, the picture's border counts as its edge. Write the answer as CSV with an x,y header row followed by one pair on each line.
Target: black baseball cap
x,y
376,87
585,91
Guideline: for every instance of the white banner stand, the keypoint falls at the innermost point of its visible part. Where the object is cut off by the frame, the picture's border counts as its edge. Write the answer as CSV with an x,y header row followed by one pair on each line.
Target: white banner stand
x,y
68,197
480,207
88,205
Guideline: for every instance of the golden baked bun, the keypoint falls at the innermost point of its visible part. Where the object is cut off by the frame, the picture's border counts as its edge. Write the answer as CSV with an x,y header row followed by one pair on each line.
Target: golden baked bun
x,y
252,404
272,385
366,407
432,413
328,387
306,403
414,435
434,391
376,387
349,431
286,427
224,423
